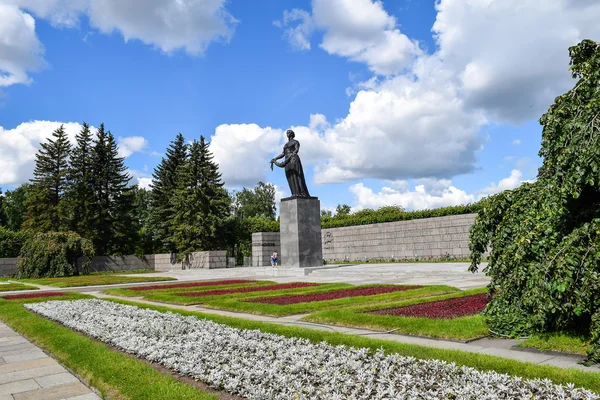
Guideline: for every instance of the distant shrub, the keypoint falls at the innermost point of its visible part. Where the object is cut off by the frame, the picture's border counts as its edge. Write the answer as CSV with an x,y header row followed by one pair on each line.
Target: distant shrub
x,y
11,242
393,214
54,254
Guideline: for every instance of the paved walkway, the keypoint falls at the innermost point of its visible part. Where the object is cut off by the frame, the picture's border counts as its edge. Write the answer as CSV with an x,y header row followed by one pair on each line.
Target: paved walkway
x,y
27,373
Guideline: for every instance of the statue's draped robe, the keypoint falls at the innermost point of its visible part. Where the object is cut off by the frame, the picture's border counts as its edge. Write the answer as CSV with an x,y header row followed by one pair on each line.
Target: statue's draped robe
x,y
293,169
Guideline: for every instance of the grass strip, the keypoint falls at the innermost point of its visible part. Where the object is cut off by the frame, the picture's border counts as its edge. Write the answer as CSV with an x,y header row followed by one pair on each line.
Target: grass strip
x,y
10,286
93,280
310,307
128,292
562,342
462,328
180,297
482,362
114,374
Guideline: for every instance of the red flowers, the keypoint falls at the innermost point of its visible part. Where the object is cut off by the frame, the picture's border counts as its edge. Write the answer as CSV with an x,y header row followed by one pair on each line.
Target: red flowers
x,y
441,309
191,284
34,295
250,289
337,294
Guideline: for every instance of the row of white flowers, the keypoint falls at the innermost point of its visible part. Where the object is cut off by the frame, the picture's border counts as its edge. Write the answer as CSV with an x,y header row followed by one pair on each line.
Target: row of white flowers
x,y
259,365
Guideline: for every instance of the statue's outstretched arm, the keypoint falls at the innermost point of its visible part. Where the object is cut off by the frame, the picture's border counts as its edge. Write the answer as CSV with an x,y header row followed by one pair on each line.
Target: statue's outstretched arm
x,y
279,156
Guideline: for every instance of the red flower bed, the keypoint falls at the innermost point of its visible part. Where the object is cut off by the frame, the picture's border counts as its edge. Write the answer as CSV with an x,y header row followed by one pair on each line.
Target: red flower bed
x,y
34,295
337,294
191,284
250,289
441,309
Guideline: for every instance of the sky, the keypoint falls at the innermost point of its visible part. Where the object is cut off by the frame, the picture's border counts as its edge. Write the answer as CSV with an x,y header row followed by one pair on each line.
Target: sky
x,y
420,104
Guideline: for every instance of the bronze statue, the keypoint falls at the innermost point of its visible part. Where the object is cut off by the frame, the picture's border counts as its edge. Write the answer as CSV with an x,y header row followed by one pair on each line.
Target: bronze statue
x,y
293,167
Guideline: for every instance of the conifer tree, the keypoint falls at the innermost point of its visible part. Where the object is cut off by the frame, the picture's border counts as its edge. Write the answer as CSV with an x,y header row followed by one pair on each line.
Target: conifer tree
x,y
80,197
164,184
114,227
45,208
200,204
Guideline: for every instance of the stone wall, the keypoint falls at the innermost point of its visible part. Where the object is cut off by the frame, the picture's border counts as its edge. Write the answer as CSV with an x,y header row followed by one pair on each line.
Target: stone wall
x,y
263,245
8,266
415,239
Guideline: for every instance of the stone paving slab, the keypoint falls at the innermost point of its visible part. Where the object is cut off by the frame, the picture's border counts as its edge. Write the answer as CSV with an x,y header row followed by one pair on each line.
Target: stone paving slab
x,y
27,373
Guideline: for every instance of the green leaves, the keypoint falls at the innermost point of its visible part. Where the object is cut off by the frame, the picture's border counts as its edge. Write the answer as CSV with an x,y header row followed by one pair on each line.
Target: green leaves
x,y
544,260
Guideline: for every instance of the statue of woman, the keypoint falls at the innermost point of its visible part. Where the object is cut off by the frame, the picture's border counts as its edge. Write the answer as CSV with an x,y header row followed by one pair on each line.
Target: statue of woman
x,y
293,166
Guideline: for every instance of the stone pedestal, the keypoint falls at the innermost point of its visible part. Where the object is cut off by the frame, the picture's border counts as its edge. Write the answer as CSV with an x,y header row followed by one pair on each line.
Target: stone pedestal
x,y
300,232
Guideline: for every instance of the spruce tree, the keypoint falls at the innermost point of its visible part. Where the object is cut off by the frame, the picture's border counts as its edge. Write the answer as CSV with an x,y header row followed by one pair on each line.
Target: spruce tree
x,y
45,208
80,198
200,204
114,227
164,184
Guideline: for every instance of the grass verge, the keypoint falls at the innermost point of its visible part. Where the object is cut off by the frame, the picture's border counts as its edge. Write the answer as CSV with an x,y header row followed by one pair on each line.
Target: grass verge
x,y
10,286
482,362
462,328
561,342
310,307
115,375
174,291
92,280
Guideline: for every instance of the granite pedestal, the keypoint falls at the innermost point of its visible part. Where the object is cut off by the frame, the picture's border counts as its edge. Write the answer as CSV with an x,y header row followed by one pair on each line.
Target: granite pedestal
x,y
300,232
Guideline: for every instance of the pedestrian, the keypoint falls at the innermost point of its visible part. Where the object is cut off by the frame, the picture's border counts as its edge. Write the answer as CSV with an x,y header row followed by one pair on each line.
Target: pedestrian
x,y
274,259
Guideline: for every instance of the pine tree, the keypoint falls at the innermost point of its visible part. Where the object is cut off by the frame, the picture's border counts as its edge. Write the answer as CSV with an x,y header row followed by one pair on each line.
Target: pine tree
x,y
45,208
80,197
114,227
164,184
200,204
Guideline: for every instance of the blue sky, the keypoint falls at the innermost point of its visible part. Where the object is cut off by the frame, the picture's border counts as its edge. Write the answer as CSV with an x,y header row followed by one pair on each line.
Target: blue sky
x,y
416,103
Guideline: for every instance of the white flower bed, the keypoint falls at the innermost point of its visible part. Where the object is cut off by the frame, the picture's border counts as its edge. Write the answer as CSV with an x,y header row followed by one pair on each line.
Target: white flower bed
x,y
259,365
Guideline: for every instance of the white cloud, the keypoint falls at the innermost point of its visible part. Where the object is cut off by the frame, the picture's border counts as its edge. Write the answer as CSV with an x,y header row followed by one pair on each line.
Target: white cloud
x,y
511,56
131,144
141,178
169,25
18,147
360,30
299,35
516,142
427,194
317,121
20,49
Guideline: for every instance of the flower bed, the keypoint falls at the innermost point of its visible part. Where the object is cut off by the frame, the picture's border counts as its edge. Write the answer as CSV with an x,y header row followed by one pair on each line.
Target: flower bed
x,y
337,294
33,295
219,292
191,284
259,365
441,309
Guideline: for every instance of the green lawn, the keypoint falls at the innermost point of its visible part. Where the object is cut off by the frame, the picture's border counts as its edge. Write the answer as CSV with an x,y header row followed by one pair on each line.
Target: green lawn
x,y
147,293
463,328
482,362
92,280
6,286
561,342
115,374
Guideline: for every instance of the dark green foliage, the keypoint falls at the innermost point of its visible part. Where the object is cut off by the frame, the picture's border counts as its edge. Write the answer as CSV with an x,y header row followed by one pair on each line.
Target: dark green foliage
x,y
342,210
142,210
255,203
545,257
200,204
15,206
11,242
54,254
239,234
391,214
2,212
80,197
164,184
45,206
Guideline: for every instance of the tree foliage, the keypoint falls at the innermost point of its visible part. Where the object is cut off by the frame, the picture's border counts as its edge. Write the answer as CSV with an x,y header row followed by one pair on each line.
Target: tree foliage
x,y
544,236
255,203
200,204
11,242
15,206
49,185
164,184
54,254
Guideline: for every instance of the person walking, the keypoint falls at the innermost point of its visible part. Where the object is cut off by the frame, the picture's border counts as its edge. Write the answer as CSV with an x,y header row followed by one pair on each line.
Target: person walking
x,y
274,259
